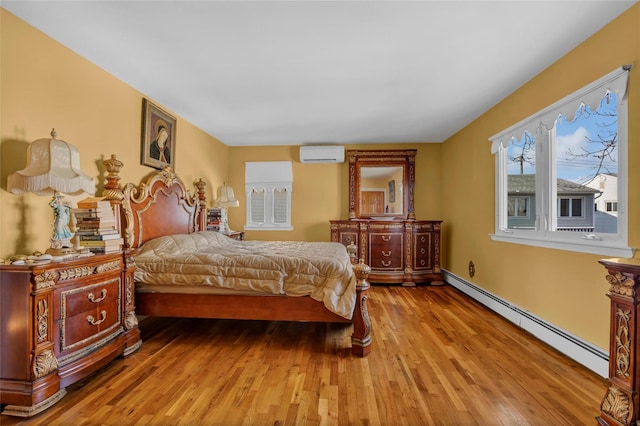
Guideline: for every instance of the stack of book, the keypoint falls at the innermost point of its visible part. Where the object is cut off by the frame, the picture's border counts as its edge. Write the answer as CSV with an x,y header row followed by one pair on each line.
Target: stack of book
x,y
213,219
96,226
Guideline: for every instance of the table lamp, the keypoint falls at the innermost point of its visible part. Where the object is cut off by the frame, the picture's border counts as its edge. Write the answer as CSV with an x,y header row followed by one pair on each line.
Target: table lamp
x,y
225,199
53,168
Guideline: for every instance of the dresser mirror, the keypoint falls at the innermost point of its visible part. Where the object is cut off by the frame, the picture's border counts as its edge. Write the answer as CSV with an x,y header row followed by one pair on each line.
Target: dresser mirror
x,y
381,184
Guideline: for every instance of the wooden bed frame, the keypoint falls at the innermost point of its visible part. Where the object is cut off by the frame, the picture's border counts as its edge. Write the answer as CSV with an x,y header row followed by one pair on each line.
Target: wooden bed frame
x,y
163,206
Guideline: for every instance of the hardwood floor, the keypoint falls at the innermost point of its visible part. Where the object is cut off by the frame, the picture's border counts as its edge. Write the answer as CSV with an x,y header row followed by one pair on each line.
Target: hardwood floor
x,y
438,358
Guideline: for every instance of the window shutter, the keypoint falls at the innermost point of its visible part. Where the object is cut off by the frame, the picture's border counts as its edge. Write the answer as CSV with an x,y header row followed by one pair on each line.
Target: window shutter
x,y
257,206
280,206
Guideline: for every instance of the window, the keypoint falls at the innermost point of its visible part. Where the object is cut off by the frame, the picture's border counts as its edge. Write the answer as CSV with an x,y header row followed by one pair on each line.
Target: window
x,y
554,165
570,207
268,187
518,206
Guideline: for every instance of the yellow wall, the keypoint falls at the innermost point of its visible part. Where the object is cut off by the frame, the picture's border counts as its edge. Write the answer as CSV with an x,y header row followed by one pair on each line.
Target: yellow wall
x,y
45,85
565,288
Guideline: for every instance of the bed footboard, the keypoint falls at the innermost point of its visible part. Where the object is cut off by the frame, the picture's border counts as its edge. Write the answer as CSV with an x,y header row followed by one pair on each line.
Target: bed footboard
x,y
361,337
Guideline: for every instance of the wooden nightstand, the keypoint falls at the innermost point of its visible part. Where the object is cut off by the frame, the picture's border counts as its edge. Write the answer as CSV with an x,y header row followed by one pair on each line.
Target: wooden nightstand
x,y
60,322
236,235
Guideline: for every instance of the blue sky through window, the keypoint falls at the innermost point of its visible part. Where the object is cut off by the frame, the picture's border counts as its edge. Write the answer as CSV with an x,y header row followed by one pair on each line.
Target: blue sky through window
x,y
587,145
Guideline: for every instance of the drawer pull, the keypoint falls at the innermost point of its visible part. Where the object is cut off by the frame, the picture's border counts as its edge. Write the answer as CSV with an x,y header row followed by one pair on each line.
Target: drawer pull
x,y
103,294
385,263
387,254
422,251
92,320
386,237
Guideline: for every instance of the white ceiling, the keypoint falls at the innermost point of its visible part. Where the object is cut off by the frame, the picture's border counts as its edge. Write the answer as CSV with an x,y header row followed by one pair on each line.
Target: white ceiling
x,y
303,72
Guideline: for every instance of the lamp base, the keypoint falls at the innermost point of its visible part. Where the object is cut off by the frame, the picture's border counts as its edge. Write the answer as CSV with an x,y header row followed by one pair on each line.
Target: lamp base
x,y
224,223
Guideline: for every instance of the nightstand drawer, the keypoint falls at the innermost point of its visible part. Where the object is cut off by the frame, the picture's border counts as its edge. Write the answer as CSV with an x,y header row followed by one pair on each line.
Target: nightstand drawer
x,y
88,313
83,328
83,299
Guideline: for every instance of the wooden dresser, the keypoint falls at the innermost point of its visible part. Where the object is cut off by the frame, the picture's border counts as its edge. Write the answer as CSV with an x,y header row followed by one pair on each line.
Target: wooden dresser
x,y
60,322
398,251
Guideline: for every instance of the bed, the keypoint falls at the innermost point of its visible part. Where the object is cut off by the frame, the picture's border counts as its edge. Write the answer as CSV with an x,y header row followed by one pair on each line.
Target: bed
x,y
182,270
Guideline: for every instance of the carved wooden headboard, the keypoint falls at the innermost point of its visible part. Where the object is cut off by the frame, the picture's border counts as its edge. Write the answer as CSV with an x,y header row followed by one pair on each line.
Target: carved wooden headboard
x,y
159,206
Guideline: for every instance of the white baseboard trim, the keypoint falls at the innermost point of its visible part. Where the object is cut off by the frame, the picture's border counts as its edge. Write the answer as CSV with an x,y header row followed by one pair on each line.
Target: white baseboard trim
x,y
592,357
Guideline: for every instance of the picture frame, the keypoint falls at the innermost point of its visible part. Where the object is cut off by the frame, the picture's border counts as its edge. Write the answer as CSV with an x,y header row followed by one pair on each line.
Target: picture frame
x,y
392,191
158,146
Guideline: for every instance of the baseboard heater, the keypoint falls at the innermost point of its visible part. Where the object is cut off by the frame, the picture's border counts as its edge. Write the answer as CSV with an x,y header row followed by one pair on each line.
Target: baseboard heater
x,y
592,357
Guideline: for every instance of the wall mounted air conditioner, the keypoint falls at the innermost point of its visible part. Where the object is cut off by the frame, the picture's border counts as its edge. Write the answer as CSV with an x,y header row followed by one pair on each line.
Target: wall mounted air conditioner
x,y
321,154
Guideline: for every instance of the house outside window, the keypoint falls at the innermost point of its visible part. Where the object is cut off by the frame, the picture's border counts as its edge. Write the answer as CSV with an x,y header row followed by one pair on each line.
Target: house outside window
x,y
268,187
556,160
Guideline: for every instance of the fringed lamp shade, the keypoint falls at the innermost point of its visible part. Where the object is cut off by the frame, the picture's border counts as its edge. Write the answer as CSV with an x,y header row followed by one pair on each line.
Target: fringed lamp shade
x,y
225,199
52,166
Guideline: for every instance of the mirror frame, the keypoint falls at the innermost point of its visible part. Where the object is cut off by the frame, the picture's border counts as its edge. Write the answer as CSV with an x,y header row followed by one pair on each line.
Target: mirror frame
x,y
406,158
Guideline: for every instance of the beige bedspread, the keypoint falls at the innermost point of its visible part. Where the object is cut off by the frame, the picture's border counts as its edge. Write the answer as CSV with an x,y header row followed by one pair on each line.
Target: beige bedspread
x,y
319,269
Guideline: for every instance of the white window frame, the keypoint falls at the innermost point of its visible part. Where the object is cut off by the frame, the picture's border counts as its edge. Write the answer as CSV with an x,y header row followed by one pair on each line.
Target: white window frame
x,y
268,176
541,125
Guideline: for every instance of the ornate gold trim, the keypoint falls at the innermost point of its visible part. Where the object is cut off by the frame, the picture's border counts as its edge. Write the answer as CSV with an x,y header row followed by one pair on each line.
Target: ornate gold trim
x,y
131,349
617,405
623,343
621,284
42,315
32,410
44,363
78,272
64,360
130,321
128,295
109,266
45,280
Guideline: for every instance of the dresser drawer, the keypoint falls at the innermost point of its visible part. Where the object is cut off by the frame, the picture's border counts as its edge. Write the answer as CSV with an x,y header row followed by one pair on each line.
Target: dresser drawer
x,y
385,251
79,330
385,241
422,251
377,262
76,301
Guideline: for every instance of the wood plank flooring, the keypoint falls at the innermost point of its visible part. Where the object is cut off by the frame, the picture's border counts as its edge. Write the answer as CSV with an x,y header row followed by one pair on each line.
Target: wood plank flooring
x,y
438,358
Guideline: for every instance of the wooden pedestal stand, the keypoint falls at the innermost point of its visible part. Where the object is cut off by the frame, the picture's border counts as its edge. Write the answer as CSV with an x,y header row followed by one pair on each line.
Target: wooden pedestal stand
x,y
620,404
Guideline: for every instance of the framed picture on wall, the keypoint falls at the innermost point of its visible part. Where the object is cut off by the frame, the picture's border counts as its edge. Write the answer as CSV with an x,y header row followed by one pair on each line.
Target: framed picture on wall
x,y
158,137
392,191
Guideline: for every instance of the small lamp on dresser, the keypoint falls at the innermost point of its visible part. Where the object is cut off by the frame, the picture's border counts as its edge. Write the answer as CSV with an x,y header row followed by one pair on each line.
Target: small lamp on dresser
x,y
225,200
53,168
